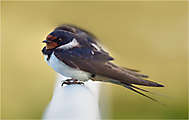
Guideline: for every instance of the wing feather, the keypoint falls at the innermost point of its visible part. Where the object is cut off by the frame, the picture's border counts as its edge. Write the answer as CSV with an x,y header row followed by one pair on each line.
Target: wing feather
x,y
100,65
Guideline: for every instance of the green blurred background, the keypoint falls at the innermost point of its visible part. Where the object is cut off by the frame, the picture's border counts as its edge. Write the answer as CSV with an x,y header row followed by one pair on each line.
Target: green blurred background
x,y
149,36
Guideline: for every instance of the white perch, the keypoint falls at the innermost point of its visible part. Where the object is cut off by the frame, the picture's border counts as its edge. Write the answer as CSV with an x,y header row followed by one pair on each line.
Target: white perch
x,y
73,102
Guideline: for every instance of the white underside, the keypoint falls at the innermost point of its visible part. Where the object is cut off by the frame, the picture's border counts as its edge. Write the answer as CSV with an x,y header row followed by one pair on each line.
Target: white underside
x,y
65,70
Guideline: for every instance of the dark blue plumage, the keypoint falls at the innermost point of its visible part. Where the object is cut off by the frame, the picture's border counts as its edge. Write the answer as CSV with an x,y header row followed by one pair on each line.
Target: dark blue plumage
x,y
80,51
60,34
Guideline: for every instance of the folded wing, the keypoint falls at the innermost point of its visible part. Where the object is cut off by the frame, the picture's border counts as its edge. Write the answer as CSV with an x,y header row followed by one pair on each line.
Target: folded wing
x,y
99,64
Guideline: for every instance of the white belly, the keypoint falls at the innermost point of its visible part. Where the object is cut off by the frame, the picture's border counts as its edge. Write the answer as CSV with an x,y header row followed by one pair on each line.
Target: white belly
x,y
65,70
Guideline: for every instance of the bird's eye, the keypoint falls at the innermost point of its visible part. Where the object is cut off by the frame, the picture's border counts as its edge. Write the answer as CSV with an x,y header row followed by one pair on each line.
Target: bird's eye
x,y
59,40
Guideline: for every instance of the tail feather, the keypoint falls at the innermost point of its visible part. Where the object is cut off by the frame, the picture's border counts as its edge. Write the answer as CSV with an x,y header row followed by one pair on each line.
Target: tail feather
x,y
130,87
131,69
153,99
126,76
135,73
153,93
139,88
140,81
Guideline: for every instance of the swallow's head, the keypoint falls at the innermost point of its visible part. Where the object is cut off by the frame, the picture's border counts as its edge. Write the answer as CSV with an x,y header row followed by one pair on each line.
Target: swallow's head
x,y
61,36
67,37
58,38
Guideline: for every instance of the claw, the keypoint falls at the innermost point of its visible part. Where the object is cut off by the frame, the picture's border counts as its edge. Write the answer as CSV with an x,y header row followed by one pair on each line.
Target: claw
x,y
72,81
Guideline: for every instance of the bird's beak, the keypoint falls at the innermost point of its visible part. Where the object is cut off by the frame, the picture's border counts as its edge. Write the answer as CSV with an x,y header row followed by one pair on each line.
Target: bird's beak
x,y
45,41
50,44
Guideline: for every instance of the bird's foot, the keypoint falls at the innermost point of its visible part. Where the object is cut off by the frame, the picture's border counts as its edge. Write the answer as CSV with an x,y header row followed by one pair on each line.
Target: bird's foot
x,y
72,81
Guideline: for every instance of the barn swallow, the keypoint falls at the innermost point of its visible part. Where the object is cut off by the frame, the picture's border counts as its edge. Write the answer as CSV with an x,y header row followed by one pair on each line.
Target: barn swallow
x,y
75,53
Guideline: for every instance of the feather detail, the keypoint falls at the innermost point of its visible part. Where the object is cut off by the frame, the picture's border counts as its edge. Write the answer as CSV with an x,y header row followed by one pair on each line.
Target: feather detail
x,y
129,86
126,76
130,69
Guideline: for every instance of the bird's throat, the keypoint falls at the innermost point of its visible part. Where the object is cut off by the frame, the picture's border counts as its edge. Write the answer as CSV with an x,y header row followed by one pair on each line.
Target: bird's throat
x,y
47,52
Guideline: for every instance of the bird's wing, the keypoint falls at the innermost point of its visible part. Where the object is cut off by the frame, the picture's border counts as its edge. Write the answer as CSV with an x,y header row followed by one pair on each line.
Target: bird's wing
x,y
98,63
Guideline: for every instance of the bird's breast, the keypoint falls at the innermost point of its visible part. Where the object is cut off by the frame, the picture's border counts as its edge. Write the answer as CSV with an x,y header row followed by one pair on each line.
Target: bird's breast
x,y
66,70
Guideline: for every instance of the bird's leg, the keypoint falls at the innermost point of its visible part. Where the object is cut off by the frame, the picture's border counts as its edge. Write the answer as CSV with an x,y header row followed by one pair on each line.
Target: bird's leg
x,y
72,81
